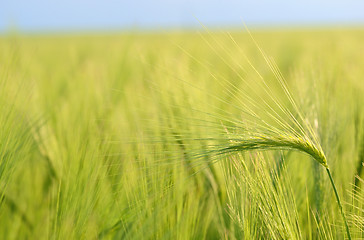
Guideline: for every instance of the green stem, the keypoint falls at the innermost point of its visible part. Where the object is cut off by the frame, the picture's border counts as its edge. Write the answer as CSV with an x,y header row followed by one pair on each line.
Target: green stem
x,y
339,203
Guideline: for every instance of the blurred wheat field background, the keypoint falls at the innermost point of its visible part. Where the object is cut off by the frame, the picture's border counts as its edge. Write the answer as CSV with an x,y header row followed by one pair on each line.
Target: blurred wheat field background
x,y
132,136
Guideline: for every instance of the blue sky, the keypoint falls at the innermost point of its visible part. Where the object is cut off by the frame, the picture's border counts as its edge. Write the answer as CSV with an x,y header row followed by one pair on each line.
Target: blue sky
x,y
91,15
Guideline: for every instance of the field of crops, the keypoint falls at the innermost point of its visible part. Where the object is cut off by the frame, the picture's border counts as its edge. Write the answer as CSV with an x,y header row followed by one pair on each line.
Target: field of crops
x,y
185,135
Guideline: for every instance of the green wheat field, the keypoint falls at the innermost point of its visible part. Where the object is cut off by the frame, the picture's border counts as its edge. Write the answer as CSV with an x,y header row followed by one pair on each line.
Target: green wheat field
x,y
183,135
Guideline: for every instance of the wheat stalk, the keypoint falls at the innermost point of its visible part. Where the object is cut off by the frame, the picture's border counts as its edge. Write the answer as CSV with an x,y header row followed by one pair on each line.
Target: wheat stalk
x,y
291,130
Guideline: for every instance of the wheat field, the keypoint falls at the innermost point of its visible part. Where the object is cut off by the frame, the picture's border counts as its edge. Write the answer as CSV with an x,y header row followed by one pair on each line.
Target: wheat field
x,y
183,135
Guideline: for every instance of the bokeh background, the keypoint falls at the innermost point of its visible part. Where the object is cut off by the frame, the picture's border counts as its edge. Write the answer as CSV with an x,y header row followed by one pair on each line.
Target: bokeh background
x,y
109,15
